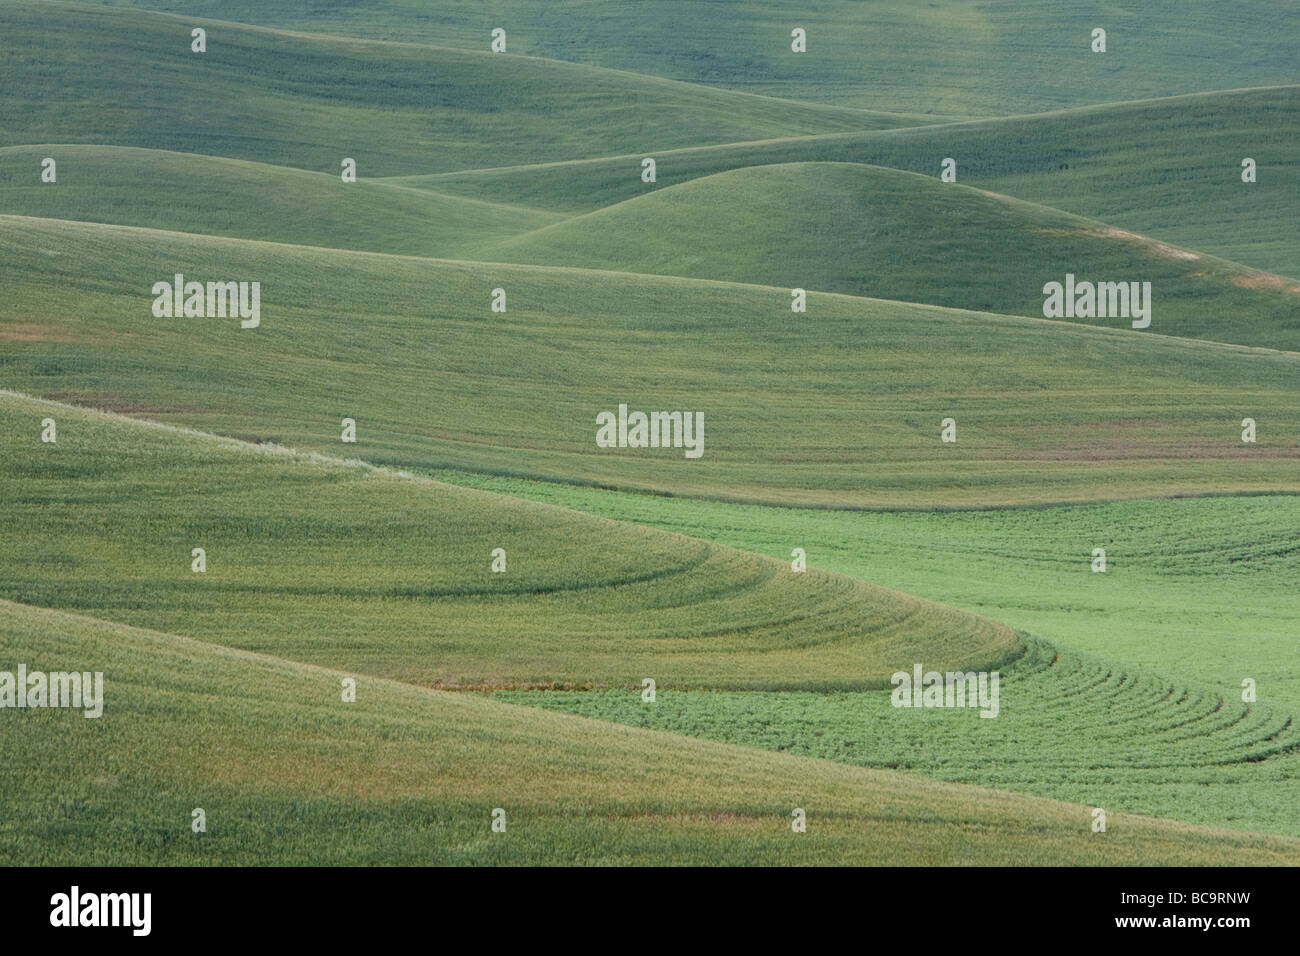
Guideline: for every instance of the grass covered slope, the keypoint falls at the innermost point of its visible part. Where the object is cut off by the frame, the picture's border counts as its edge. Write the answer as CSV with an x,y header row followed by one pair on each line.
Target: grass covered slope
x,y
339,564
231,575
410,776
1127,164
948,56
840,407
867,230
114,77
230,197
1201,589
1070,726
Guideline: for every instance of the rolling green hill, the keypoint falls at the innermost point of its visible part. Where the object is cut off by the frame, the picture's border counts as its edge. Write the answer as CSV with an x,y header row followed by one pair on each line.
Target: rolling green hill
x,y
374,573
865,230
406,775
330,562
838,407
964,57
501,280
322,561
230,197
1127,164
1069,726
113,77
1198,588
894,235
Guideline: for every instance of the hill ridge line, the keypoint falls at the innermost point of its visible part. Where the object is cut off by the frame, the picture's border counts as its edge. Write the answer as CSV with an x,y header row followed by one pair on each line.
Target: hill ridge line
x,y
384,181
847,134
478,263
929,180
844,111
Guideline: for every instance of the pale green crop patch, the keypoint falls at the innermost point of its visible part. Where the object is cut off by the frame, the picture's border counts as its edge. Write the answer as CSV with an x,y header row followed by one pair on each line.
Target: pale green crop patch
x,y
1069,726
288,773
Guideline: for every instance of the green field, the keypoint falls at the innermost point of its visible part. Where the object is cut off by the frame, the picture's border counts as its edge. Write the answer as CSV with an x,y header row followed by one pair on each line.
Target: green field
x,y
406,775
957,58
308,102
1200,588
1079,160
841,406
1069,726
335,563
866,230
500,276
232,197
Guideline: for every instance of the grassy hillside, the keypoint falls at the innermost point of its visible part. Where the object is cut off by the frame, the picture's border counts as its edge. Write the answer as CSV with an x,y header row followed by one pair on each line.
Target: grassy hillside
x,y
1198,588
411,776
336,563
1069,726
230,197
842,406
962,57
1128,164
865,230
498,581
113,77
